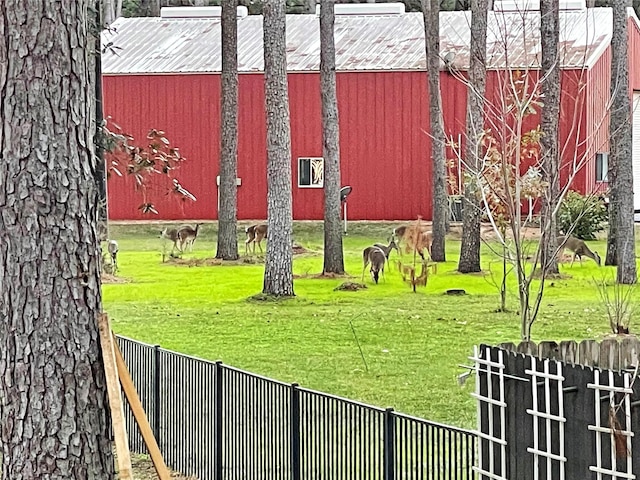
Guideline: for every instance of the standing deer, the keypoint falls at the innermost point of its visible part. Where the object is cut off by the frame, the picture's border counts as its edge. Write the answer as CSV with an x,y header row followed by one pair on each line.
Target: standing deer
x,y
255,234
423,240
112,248
371,255
577,247
171,234
187,236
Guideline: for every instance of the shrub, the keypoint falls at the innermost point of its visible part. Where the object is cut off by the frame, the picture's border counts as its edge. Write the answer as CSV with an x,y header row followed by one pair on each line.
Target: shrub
x,y
583,216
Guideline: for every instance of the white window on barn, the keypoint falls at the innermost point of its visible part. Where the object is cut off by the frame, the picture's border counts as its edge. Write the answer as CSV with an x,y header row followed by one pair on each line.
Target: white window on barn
x,y
602,167
310,172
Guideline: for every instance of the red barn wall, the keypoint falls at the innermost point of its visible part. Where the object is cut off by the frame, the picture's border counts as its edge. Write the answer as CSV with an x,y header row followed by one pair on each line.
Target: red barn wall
x,y
384,141
597,85
384,145
186,108
634,55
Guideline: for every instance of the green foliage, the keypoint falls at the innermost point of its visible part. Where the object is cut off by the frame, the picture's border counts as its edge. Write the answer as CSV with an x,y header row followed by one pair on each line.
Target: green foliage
x,y
412,342
130,8
583,216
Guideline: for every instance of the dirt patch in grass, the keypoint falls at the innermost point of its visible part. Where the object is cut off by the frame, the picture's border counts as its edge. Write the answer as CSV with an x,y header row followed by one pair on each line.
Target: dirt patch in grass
x,y
143,469
299,249
195,262
350,287
323,276
109,278
488,233
212,262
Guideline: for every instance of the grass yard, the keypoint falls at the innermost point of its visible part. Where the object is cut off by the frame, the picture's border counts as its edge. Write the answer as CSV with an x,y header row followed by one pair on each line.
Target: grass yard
x,y
411,343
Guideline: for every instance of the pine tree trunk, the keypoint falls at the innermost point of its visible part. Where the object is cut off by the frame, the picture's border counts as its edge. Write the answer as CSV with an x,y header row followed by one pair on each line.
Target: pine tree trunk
x,y
54,412
472,209
333,253
278,272
227,211
149,8
621,150
101,170
431,16
108,12
550,74
611,258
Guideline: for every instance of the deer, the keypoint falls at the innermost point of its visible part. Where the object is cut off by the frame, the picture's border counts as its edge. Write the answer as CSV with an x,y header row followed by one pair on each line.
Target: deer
x,y
371,255
171,234
255,234
112,248
577,247
424,241
187,236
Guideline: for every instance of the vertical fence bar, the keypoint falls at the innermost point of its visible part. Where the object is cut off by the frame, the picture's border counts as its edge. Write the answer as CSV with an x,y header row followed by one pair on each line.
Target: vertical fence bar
x,y
218,420
295,431
156,393
389,444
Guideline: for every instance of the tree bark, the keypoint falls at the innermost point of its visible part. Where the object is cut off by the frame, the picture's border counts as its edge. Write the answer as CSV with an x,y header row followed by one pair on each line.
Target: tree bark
x,y
333,253
54,411
621,241
108,12
149,8
550,74
471,214
227,211
101,168
431,16
310,6
278,272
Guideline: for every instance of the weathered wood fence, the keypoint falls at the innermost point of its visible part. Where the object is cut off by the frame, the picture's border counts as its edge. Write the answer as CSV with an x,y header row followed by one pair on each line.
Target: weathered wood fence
x,y
616,353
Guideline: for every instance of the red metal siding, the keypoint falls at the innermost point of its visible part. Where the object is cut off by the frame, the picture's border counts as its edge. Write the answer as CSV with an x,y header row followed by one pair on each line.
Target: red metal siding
x,y
384,147
384,124
597,96
187,109
634,55
598,81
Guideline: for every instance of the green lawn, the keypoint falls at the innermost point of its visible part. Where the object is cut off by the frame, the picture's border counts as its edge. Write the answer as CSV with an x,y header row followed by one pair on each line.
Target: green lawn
x,y
411,343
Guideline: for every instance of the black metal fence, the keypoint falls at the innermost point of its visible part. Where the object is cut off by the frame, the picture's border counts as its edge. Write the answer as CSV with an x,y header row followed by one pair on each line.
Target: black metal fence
x,y
217,422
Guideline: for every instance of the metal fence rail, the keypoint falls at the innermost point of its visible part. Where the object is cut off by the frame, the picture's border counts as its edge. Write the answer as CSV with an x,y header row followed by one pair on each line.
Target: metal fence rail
x,y
217,422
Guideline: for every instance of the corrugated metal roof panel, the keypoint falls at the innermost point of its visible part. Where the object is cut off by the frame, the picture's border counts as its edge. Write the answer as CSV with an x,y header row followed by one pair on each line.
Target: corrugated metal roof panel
x,y
363,43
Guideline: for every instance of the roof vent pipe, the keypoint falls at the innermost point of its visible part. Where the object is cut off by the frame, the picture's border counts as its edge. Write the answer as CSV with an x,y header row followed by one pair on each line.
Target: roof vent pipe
x,y
199,12
396,8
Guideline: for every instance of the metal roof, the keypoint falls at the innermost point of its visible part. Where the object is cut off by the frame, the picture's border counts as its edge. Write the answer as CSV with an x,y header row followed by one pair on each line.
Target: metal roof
x,y
363,42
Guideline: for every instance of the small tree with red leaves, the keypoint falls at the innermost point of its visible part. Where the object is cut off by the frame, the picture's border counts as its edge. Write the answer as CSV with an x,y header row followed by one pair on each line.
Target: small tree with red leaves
x,y
153,166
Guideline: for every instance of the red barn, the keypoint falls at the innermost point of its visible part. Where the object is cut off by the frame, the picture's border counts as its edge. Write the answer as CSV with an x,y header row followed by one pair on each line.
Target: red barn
x,y
166,75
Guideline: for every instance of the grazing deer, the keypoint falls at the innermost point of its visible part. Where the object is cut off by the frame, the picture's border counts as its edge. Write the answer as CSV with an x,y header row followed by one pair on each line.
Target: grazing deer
x,y
112,248
577,247
171,234
255,234
423,241
187,236
371,255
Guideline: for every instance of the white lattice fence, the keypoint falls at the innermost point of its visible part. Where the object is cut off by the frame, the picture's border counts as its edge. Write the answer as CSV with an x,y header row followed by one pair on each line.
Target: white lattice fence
x,y
619,405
